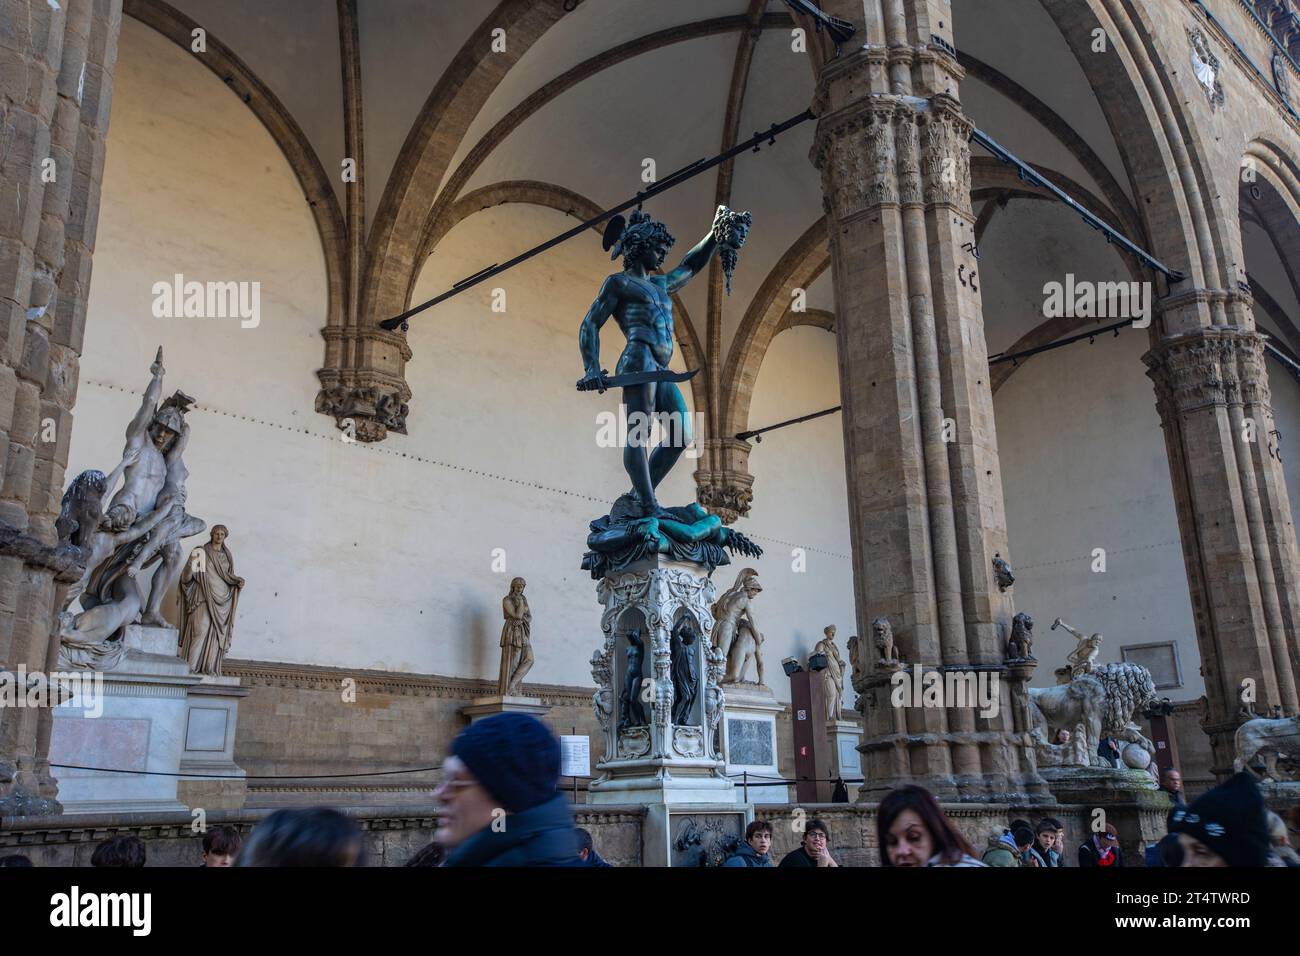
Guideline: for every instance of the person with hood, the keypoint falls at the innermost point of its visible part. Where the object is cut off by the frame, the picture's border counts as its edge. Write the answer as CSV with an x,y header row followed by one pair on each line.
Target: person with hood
x,y
587,849
1002,849
753,852
1224,826
500,805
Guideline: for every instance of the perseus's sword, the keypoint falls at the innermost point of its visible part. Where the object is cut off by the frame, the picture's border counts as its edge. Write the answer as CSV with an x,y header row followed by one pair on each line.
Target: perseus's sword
x,y
642,378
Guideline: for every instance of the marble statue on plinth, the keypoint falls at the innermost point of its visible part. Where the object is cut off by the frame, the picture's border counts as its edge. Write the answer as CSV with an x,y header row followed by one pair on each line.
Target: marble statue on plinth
x,y
832,675
736,637
209,594
516,640
1100,703
144,523
1081,659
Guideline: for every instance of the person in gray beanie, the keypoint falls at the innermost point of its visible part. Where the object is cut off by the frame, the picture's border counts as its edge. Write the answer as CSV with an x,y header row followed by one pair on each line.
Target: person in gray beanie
x,y
500,805
1225,826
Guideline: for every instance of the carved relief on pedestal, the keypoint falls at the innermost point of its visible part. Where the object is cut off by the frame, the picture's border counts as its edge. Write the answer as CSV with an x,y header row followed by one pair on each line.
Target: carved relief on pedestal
x,y
907,147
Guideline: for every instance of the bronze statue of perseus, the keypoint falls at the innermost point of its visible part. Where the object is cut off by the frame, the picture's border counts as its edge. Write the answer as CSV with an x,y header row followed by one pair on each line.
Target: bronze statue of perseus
x,y
641,302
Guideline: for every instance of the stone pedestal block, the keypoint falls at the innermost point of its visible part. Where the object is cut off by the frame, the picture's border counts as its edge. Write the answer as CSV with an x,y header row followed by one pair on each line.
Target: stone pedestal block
x,y
210,721
138,725
668,765
482,707
749,743
1127,798
839,758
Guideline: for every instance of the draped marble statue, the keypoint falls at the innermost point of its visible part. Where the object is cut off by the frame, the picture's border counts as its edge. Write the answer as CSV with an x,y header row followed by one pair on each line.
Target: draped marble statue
x,y
209,593
144,524
516,640
832,675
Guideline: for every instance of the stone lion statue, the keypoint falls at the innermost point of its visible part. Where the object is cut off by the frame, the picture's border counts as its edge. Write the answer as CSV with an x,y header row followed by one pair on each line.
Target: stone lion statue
x,y
1020,644
1272,739
883,632
1094,705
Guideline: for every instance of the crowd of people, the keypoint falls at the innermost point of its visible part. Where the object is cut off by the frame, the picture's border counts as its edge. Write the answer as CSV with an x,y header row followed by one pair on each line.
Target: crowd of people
x,y
499,805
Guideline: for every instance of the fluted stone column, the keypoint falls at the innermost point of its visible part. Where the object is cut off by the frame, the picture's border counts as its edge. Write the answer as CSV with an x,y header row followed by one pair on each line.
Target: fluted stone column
x,y
56,68
1239,541
925,488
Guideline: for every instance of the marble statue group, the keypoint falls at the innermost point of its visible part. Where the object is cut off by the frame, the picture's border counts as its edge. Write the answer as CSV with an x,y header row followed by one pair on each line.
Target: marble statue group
x,y
123,531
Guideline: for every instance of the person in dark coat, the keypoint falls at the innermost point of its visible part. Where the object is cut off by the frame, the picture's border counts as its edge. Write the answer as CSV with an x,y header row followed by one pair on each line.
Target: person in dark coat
x,y
1225,826
500,805
753,852
815,849
1102,849
587,849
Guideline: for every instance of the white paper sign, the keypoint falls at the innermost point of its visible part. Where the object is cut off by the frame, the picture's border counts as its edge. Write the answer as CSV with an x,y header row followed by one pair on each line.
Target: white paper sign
x,y
575,756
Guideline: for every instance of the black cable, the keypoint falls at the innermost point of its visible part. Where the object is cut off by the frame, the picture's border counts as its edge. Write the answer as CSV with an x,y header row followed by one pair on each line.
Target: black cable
x,y
1031,175
676,179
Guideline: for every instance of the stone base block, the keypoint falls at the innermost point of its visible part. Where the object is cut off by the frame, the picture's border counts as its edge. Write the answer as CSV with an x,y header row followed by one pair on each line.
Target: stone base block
x,y
749,743
1127,798
482,707
136,724
210,722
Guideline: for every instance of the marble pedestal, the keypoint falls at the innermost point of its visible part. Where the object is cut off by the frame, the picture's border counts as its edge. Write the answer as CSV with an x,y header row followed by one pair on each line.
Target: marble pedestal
x,y
671,768
1127,798
481,707
145,705
155,716
749,741
839,758
211,718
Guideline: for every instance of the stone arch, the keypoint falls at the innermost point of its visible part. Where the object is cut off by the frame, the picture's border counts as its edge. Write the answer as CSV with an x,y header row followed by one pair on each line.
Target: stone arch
x,y
1274,198
1149,129
462,90
284,130
551,196
494,137
809,256
806,259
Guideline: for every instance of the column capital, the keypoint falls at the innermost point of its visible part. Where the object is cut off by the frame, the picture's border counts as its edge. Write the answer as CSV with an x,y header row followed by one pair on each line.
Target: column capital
x,y
1214,366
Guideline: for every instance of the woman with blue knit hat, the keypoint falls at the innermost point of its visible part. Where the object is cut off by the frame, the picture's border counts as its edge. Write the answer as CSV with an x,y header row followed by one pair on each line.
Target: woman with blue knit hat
x,y
1225,826
500,805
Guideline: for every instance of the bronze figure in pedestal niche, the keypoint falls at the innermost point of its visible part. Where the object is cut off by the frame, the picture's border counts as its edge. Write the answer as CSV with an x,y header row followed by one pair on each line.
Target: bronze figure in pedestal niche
x,y
631,709
686,681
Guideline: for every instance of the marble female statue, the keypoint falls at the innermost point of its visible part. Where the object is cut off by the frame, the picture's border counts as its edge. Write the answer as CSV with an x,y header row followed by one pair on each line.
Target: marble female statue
x,y
832,676
516,640
209,594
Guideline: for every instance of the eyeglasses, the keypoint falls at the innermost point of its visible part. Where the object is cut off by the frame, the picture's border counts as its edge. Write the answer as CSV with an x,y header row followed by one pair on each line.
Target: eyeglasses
x,y
452,785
